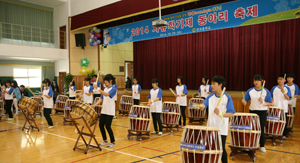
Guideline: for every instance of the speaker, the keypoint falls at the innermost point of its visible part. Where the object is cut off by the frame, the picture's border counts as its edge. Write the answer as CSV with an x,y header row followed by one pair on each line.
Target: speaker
x,y
80,40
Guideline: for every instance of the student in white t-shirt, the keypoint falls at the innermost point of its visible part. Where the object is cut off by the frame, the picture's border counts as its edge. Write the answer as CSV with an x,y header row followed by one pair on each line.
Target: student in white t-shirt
x,y
135,90
294,90
259,103
218,116
108,109
72,90
155,103
205,90
87,91
48,102
8,98
181,99
96,86
281,95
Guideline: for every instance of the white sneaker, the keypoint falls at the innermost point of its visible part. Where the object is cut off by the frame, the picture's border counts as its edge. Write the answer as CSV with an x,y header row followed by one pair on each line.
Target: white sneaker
x,y
111,145
263,149
154,132
51,127
103,143
160,133
10,119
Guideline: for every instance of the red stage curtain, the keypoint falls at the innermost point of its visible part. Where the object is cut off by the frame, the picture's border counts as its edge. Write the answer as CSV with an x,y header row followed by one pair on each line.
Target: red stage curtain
x,y
235,53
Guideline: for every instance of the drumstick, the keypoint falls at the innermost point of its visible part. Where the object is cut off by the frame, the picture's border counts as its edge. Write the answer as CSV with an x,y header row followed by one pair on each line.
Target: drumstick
x,y
172,91
30,91
98,75
207,82
243,96
221,96
262,89
41,89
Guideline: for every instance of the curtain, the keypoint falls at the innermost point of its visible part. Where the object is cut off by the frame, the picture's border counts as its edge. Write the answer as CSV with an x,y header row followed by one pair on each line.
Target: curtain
x,y
236,53
48,72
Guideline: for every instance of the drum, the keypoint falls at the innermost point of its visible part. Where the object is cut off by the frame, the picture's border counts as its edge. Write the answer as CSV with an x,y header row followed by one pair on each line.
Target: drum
x,y
290,117
1,108
245,130
98,108
62,98
69,104
30,104
40,102
139,118
194,109
61,102
84,110
125,103
144,103
170,113
275,121
201,144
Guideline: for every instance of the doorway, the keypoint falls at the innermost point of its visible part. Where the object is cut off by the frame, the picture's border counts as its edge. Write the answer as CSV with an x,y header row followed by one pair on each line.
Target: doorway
x,y
61,82
62,37
129,70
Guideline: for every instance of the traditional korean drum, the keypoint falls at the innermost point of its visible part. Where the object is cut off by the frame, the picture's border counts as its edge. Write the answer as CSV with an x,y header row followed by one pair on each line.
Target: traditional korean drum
x,y
84,110
275,121
125,103
201,144
30,104
139,118
68,105
290,117
61,102
40,102
194,109
245,130
98,108
170,113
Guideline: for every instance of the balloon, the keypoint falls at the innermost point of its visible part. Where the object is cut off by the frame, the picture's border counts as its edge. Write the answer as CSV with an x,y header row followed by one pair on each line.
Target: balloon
x,y
98,30
90,34
98,42
98,35
89,37
95,44
91,43
93,32
95,38
90,30
95,28
90,40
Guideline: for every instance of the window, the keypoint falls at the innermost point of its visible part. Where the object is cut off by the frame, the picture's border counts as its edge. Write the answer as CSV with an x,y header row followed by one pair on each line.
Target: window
x,y
29,76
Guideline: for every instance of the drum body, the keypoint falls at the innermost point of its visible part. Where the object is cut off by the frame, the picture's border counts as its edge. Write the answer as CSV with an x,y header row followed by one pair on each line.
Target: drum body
x,y
61,102
139,118
290,117
201,144
30,104
69,104
98,108
245,130
125,103
39,101
170,113
194,109
84,110
275,121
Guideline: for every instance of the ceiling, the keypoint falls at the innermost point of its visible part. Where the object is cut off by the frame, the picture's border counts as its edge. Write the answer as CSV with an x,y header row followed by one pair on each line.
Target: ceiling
x,y
48,3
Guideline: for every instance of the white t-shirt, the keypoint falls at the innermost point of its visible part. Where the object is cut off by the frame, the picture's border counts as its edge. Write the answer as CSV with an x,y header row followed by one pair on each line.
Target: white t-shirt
x,y
48,102
97,90
9,96
136,88
202,88
156,107
108,104
295,91
71,92
254,95
181,89
279,99
86,98
214,120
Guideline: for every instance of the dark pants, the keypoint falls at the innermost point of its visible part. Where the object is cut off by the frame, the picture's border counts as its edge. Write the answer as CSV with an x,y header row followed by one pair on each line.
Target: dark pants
x,y
262,118
106,120
97,95
182,108
8,108
136,102
72,98
54,99
156,119
224,155
285,131
47,112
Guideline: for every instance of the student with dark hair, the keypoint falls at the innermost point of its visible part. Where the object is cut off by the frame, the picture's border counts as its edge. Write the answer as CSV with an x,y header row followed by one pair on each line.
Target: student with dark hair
x,y
17,96
108,109
155,103
87,93
219,115
281,95
135,90
205,90
181,99
23,91
8,98
47,95
259,103
72,90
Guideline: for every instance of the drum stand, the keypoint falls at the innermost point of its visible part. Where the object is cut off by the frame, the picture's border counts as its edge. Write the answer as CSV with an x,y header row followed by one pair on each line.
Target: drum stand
x,y
91,135
123,112
39,111
138,134
30,119
67,116
170,126
200,120
274,137
242,150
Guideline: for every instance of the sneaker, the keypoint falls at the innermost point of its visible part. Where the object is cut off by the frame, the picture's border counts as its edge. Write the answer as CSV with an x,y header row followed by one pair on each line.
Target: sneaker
x,y
154,132
179,126
160,133
182,126
111,145
46,126
263,149
283,138
103,143
115,117
51,127
10,119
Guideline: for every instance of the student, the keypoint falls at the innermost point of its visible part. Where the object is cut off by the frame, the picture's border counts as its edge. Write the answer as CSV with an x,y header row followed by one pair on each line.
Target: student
x,y
259,104
23,91
108,109
55,90
87,91
281,94
155,103
17,96
8,98
96,86
218,116
181,99
294,90
135,90
72,90
205,90
47,95
116,98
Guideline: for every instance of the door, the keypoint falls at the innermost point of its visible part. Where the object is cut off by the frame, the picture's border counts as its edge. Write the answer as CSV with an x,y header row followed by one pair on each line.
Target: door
x,y
61,82
62,37
129,70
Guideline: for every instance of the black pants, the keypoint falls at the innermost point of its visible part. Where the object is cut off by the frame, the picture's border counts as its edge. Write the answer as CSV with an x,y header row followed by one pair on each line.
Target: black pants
x,y
285,131
156,118
182,108
136,102
72,98
106,120
263,119
224,155
97,95
47,112
8,108
54,100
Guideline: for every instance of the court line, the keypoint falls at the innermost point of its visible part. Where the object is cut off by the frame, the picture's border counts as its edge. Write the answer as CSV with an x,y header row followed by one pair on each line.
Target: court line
x,y
159,156
159,150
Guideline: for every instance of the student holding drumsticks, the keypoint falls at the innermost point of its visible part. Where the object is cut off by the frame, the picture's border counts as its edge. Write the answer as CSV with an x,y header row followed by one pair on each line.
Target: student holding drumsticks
x,y
135,90
205,90
181,99
47,95
260,98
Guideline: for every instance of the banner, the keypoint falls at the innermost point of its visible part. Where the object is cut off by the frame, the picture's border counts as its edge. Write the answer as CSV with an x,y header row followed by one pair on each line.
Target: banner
x,y
226,15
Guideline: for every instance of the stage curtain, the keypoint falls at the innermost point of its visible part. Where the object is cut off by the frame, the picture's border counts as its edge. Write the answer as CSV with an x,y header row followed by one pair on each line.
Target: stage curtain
x,y
235,53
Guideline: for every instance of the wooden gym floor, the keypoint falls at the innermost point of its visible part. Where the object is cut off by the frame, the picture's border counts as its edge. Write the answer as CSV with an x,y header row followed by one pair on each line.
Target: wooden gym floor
x,y
56,145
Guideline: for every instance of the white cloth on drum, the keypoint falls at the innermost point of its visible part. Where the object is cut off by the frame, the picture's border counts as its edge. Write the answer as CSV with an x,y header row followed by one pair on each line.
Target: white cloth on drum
x,y
157,106
108,104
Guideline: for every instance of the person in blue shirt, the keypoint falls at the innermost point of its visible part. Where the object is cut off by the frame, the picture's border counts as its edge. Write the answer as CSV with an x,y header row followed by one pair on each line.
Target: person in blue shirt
x,y
181,98
205,90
